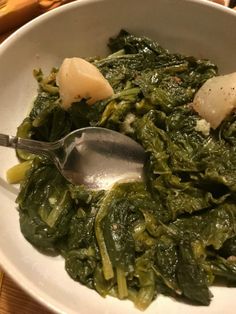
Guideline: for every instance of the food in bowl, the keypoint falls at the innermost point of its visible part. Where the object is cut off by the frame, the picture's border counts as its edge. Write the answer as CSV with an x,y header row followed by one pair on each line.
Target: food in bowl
x,y
173,234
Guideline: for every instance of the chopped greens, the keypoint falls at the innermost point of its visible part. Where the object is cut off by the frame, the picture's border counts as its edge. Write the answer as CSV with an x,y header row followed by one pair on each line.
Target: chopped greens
x,y
172,234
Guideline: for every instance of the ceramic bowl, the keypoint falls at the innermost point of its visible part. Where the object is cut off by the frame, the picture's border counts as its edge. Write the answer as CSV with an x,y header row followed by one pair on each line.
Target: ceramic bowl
x,y
82,28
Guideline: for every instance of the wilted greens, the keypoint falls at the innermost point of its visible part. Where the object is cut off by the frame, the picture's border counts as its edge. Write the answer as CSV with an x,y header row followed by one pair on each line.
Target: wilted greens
x,y
175,233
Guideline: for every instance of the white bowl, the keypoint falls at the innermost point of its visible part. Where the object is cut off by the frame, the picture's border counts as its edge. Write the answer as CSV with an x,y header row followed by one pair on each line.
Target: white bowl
x,y
81,29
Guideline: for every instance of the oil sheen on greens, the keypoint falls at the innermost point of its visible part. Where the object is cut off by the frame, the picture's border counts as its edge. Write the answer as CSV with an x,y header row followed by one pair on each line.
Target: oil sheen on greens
x,y
175,234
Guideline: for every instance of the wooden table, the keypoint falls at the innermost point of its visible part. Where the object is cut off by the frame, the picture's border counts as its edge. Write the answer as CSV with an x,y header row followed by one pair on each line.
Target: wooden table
x,y
14,300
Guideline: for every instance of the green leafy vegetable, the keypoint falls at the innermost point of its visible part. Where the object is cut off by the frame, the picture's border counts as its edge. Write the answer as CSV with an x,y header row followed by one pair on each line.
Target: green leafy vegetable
x,y
173,233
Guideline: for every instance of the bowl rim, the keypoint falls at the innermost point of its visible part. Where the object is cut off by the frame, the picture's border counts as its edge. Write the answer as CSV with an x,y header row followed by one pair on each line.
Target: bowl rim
x,y
27,285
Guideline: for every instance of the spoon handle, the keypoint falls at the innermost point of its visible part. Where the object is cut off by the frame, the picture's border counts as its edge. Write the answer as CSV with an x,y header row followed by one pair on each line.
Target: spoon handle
x,y
5,140
32,146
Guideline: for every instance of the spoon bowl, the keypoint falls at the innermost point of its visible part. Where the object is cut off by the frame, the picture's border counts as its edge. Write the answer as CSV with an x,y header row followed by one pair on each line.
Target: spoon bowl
x,y
94,157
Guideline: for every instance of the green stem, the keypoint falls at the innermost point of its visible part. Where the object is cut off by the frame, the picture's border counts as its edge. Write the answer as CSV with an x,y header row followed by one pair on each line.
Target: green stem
x,y
121,283
106,262
145,297
17,172
56,211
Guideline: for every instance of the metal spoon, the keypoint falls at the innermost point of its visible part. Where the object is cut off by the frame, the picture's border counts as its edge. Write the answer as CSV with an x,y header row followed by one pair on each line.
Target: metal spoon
x,y
95,157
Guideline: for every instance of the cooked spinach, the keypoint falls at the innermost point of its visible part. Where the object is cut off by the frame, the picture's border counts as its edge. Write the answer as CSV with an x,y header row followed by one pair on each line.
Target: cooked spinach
x,y
173,233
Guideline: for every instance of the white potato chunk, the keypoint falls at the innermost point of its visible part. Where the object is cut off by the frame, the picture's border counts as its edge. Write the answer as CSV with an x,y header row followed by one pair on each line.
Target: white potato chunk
x,y
77,79
216,99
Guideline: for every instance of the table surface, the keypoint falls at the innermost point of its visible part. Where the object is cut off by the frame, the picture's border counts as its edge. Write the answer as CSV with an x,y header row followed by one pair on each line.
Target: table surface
x,y
13,300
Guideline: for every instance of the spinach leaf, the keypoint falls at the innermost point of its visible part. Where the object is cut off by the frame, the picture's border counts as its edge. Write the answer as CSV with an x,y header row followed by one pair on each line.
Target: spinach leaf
x,y
228,248
80,265
45,206
191,276
224,268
